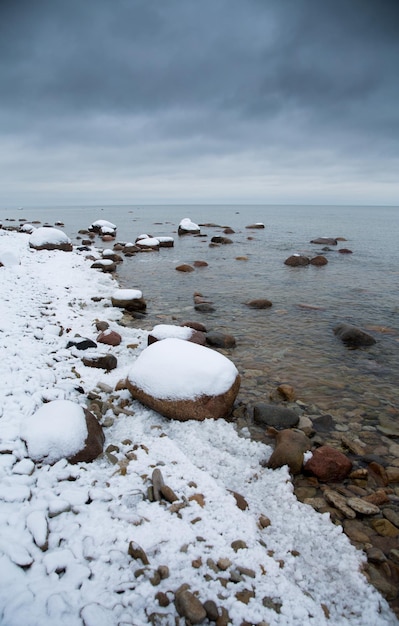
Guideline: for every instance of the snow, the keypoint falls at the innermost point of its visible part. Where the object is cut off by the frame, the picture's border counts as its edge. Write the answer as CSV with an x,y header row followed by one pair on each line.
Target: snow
x,y
103,224
164,331
65,529
187,224
57,430
127,294
48,235
176,369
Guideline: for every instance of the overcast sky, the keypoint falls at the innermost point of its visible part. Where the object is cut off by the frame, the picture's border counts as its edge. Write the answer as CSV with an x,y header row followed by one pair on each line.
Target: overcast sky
x,y
199,101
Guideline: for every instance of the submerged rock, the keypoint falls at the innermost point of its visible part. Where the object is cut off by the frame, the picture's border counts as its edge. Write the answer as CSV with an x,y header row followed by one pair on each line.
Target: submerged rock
x,y
297,260
353,336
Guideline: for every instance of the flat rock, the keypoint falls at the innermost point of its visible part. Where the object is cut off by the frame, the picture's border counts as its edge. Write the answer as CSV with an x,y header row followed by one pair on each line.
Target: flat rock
x,y
274,415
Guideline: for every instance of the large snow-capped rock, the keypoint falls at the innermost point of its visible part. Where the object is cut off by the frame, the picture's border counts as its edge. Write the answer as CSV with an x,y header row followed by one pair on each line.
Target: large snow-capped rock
x,y
63,429
183,381
129,299
187,227
48,238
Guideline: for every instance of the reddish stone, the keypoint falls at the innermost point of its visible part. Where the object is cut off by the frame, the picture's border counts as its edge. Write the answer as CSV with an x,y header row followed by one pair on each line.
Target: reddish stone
x,y
319,260
110,338
328,464
94,442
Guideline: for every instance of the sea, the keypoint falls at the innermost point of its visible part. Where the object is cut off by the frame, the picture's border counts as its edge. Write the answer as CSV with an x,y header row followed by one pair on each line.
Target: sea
x,y
293,341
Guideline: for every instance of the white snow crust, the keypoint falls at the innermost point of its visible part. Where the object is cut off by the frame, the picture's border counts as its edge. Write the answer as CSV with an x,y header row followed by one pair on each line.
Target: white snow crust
x,y
176,369
187,224
48,235
57,430
65,529
165,331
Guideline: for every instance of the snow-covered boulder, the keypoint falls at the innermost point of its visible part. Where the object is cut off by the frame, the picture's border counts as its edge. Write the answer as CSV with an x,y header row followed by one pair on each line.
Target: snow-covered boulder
x,y
148,243
166,331
63,429
183,381
166,242
8,258
103,227
129,299
27,228
187,227
48,238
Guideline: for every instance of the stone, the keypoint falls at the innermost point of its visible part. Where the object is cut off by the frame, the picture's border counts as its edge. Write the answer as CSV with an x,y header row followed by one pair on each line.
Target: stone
x,y
220,340
297,260
164,331
328,464
182,380
222,240
287,392
340,503
109,337
81,343
325,241
105,265
291,444
200,264
46,238
63,429
94,443
129,299
362,506
345,251
260,303
257,225
385,528
107,362
196,326
137,552
274,415
318,260
353,336
184,267
157,484
188,606
187,227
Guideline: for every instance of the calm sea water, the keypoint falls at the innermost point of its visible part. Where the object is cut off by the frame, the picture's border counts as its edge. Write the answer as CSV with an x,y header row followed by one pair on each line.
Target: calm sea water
x,y
289,342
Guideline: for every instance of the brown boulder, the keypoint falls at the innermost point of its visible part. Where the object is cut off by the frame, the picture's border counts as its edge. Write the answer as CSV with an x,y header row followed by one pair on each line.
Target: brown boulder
x,y
328,464
182,380
297,260
291,444
259,303
184,267
319,260
326,241
94,443
353,336
107,362
109,337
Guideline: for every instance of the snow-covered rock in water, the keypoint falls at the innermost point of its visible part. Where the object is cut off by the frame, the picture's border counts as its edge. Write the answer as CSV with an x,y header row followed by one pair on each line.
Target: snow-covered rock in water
x,y
105,265
103,227
186,227
150,243
166,242
184,381
129,299
166,331
47,238
62,429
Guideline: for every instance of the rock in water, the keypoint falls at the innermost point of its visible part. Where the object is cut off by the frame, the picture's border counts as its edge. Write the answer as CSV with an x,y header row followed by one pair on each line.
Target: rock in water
x,y
183,380
353,336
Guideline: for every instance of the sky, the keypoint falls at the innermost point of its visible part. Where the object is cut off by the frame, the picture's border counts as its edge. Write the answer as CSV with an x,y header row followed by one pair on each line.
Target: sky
x,y
217,101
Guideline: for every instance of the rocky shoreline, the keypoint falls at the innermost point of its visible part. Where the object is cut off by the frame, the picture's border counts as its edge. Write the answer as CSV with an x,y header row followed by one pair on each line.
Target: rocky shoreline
x,y
372,449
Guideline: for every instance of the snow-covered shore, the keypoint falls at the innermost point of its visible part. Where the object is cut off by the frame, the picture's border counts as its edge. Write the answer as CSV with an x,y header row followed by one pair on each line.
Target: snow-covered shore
x,y
66,529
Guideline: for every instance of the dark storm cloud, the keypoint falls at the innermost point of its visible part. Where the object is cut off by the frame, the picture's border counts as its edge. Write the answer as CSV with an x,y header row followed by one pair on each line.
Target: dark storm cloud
x,y
192,79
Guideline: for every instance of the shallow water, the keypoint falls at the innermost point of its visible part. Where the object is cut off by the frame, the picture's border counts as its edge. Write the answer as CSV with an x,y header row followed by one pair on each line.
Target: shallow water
x,y
290,342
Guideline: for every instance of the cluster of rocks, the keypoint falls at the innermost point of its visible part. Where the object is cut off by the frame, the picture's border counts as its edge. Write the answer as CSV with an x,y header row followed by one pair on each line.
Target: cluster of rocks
x,y
302,260
338,473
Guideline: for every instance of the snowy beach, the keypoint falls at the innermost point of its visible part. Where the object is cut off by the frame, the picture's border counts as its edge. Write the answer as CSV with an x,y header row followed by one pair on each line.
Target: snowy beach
x,y
82,544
